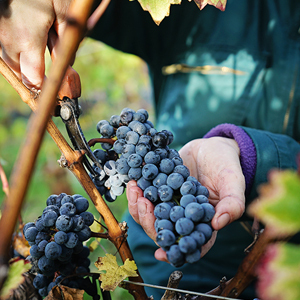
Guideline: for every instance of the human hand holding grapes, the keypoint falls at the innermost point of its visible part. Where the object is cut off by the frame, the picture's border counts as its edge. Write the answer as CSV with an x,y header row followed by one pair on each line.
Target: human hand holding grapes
x,y
215,163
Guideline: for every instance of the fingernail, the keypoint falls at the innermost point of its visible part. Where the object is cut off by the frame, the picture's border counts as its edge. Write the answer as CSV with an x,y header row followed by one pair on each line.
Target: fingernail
x,y
223,220
142,208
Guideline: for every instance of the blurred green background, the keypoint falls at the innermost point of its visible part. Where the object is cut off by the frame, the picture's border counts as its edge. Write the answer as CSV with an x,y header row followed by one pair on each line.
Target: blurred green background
x,y
111,80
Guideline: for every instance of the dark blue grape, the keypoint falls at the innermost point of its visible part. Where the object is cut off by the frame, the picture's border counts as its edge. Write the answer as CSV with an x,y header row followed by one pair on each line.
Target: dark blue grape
x,y
149,171
27,225
166,166
160,140
100,155
165,193
187,244
152,158
127,150
151,193
193,257
165,238
183,170
162,211
72,239
31,233
164,224
84,234
184,226
87,217
35,252
40,281
209,212
51,200
134,160
188,187
175,256
142,149
175,180
202,199
194,211
202,190
64,223
81,204
60,237
68,209
53,250
143,183
176,213
199,237
132,137
67,199
160,179
205,229
49,218
135,173
115,121
122,131
118,145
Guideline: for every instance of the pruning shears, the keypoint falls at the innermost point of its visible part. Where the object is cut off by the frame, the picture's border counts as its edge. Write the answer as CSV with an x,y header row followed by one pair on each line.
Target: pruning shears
x,y
69,111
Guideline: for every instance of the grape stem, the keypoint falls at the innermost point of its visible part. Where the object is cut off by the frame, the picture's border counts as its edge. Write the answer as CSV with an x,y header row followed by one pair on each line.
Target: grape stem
x,y
93,142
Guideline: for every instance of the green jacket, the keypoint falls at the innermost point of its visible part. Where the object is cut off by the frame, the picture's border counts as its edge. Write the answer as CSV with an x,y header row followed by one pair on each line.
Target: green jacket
x,y
258,43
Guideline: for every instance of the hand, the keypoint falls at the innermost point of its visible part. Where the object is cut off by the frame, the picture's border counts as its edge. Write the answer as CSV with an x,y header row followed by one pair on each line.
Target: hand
x,y
215,163
25,32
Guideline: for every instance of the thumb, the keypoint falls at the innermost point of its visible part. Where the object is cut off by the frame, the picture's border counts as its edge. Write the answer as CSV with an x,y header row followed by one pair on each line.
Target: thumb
x,y
231,205
71,85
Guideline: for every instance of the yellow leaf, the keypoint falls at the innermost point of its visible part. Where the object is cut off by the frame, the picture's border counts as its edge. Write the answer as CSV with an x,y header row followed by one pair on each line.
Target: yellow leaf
x,y
114,273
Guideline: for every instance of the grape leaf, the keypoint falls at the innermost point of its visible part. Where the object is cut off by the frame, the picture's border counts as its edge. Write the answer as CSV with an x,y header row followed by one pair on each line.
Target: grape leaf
x,y
279,273
65,293
278,204
159,9
220,4
14,277
114,273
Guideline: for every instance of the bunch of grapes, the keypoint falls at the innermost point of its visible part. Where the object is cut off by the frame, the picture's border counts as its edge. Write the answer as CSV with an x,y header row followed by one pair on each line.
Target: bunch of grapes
x,y
56,239
132,149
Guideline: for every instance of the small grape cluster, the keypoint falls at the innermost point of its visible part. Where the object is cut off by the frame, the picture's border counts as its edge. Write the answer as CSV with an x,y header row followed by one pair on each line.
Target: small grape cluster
x,y
56,242
132,149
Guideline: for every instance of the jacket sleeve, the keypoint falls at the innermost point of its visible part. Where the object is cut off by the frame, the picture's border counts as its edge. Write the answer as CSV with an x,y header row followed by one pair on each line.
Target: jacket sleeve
x,y
273,151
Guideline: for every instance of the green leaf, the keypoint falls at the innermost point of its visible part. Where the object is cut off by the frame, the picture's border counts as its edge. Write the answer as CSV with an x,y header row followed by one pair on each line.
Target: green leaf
x,y
14,277
279,273
279,202
114,273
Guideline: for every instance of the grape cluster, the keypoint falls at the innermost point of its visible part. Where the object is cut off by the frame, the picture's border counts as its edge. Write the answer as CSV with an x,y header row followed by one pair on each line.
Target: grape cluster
x,y
56,242
132,149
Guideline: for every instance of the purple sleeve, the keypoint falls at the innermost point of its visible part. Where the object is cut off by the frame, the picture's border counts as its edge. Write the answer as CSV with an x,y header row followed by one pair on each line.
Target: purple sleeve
x,y
247,149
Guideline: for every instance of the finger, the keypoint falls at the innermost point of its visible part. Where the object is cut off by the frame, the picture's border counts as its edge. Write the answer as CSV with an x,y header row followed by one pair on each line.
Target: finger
x,y
133,192
232,199
146,216
13,61
161,255
32,67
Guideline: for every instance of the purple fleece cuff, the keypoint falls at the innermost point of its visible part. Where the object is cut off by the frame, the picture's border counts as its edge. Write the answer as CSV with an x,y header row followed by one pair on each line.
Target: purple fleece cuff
x,y
247,149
